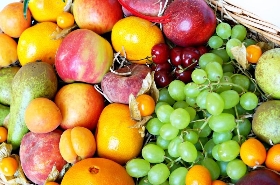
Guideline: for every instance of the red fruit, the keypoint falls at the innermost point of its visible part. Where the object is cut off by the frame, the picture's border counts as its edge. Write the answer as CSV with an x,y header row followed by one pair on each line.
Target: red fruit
x,y
160,53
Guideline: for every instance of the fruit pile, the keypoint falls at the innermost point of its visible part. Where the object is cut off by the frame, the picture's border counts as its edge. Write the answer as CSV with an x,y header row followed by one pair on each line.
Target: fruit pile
x,y
135,92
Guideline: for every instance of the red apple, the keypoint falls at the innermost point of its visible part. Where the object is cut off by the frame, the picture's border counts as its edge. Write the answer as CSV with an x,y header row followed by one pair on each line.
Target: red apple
x,y
97,15
83,56
39,153
117,88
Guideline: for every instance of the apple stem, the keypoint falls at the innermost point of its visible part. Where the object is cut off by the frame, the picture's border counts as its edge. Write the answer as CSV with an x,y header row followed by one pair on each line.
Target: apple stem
x,y
162,19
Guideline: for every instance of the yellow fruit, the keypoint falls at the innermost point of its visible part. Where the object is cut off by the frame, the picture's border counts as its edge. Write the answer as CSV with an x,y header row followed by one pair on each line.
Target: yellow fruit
x,y
8,50
37,43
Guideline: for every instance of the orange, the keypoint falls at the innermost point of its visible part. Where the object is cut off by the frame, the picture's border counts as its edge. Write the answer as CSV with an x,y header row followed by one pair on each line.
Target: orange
x,y
42,115
3,134
46,10
13,22
65,20
198,174
146,104
253,53
115,137
134,38
273,158
76,144
97,171
8,166
218,182
252,152
37,43
8,51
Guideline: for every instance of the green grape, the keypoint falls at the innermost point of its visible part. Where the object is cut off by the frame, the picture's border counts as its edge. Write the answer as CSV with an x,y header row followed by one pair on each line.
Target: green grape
x,y
191,101
163,113
137,167
144,181
222,122
215,153
207,58
221,52
180,118
158,174
180,104
178,176
239,32
212,166
176,90
241,80
220,137
214,103
153,153
215,42
239,139
163,143
230,44
241,110
248,42
228,150
173,147
214,71
201,99
153,126
165,96
160,103
229,111
187,151
191,136
168,132
200,157
208,147
236,169
249,101
224,83
192,112
174,166
230,97
228,67
223,30
223,167
201,142
198,76
205,131
244,127
191,89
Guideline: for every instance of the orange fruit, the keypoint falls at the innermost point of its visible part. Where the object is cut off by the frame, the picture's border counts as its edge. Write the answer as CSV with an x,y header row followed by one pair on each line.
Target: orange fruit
x,y
46,10
51,183
99,171
3,134
37,43
42,115
198,174
76,144
8,166
134,38
253,53
273,158
115,137
13,22
218,182
146,104
65,20
8,51
252,152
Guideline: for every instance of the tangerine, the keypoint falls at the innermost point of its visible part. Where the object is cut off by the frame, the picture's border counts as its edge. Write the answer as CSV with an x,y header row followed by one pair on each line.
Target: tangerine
x,y
13,22
136,42
273,158
8,51
99,171
198,174
42,115
116,139
252,152
38,44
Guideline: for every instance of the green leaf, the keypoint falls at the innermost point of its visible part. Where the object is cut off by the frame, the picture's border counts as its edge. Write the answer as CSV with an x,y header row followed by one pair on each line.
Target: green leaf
x,y
25,7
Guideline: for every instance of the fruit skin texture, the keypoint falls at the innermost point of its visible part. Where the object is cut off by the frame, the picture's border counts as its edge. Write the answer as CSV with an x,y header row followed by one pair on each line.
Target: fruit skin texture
x,y
267,73
99,171
8,51
198,174
80,105
135,42
192,22
117,88
266,123
115,139
13,22
83,56
97,15
273,158
37,43
260,177
39,153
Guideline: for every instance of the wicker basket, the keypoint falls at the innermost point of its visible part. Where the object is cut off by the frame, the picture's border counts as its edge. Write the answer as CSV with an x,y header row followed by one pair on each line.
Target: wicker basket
x,y
231,12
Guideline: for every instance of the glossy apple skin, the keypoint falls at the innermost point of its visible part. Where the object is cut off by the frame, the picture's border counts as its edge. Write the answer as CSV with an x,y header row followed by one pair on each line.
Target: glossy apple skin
x,y
192,22
83,56
97,15
117,88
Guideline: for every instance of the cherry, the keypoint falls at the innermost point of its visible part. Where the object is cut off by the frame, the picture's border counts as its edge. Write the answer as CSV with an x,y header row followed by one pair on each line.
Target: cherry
x,y
175,56
163,67
183,75
189,58
163,78
160,53
202,49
